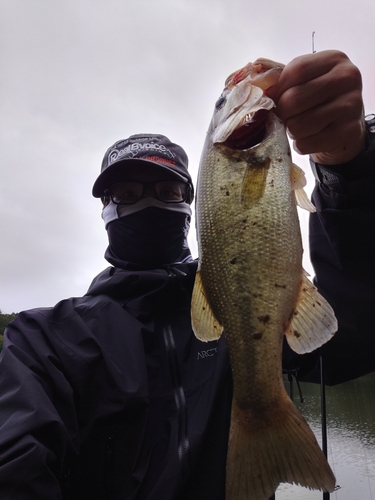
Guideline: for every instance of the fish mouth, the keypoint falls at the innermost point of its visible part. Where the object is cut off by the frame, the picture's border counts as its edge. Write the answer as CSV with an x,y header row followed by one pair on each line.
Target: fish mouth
x,y
251,132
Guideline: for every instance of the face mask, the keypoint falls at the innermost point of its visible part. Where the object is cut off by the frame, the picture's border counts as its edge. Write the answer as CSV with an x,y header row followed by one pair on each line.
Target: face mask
x,y
152,237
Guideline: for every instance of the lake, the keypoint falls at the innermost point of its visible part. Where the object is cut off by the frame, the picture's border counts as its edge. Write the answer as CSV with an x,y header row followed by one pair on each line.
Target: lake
x,y
351,438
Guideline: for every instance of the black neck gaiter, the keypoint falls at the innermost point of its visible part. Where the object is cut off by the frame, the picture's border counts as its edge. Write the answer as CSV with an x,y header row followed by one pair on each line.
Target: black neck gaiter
x,y
152,237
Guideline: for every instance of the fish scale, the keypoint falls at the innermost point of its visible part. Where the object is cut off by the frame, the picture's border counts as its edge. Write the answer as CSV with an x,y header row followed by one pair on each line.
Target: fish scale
x,y
250,283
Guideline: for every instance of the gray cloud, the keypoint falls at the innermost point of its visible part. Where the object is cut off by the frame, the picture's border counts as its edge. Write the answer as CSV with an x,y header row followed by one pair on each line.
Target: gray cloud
x,y
78,75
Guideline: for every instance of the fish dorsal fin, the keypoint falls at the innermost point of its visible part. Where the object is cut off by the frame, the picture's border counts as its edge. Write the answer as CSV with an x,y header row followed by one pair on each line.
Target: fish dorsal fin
x,y
204,323
298,182
313,322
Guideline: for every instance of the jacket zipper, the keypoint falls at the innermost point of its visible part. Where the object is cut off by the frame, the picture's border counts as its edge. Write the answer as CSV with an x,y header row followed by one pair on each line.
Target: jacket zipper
x,y
179,396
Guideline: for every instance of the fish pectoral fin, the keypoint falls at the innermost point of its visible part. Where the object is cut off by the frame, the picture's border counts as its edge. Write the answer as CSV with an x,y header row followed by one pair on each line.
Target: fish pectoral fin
x,y
313,321
302,200
203,321
297,177
298,182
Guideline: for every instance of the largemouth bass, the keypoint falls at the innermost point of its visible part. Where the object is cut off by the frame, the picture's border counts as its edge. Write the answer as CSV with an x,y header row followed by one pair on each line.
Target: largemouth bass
x,y
250,283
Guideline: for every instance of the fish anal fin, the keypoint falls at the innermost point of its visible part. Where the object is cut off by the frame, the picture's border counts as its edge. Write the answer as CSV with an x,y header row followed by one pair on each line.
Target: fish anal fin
x,y
204,323
278,447
313,321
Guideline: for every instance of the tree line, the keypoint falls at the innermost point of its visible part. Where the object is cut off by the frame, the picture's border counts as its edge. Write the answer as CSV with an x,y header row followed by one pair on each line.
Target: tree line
x,y
4,320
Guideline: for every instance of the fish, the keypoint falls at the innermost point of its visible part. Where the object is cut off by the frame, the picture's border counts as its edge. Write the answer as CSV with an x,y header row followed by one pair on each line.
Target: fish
x,y
250,284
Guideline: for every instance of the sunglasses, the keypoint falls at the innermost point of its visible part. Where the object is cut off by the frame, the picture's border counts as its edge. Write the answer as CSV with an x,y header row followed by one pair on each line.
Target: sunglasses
x,y
130,192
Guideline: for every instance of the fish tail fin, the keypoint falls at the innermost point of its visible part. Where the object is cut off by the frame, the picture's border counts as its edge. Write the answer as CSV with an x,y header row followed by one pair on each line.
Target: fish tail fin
x,y
274,449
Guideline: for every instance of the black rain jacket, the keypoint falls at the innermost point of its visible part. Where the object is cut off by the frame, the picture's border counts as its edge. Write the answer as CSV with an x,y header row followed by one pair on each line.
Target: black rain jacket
x,y
115,397
342,242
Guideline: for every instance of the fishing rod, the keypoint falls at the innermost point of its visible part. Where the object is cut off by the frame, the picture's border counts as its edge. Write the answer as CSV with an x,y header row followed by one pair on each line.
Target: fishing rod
x,y
326,495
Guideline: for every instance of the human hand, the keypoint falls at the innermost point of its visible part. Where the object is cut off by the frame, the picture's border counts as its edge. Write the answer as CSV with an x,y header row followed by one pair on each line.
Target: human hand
x,y
319,98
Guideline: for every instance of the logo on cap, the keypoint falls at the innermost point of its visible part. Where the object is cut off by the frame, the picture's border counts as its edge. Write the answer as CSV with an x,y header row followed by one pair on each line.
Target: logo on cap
x,y
139,150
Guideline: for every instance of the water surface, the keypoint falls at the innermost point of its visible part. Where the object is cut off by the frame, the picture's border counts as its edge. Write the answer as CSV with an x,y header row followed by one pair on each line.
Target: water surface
x,y
351,438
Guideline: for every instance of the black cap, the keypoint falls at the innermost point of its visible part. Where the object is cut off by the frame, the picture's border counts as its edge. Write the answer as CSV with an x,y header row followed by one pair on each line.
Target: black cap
x,y
141,149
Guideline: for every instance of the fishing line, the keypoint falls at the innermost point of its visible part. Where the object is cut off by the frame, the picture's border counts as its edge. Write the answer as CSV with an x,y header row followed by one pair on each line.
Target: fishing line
x,y
326,494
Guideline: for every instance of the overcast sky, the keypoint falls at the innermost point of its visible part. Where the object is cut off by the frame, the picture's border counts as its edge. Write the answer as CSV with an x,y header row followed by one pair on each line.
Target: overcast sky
x,y
77,75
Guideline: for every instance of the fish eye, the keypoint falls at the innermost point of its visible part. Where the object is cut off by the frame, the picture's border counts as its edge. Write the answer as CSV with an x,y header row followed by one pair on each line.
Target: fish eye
x,y
219,102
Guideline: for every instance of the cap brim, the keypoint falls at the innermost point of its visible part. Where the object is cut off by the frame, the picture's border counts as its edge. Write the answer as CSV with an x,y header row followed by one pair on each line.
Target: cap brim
x,y
120,170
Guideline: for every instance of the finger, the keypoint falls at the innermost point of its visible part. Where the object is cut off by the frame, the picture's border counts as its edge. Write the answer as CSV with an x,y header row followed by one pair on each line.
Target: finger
x,y
343,80
335,144
343,109
307,67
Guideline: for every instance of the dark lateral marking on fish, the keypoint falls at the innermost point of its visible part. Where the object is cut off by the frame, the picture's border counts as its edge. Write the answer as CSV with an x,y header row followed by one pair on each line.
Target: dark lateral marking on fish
x,y
264,318
256,160
224,188
257,335
280,286
296,334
